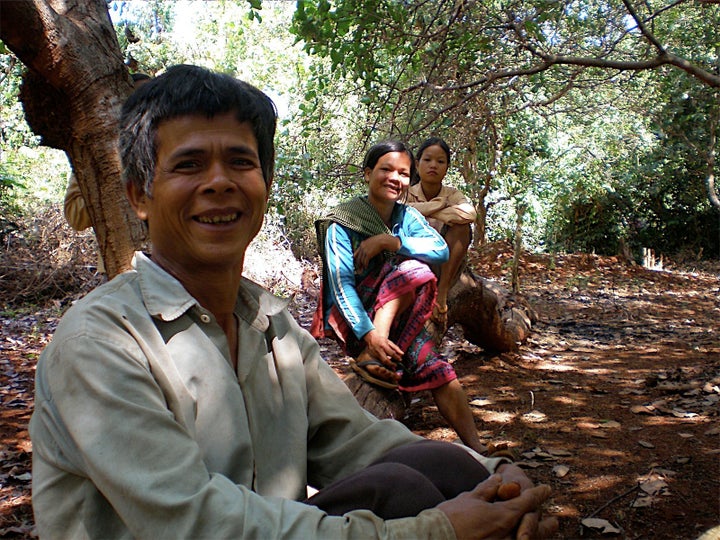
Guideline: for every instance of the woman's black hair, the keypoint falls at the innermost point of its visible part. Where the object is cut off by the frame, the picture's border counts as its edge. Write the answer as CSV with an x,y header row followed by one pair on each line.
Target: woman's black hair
x,y
378,150
434,141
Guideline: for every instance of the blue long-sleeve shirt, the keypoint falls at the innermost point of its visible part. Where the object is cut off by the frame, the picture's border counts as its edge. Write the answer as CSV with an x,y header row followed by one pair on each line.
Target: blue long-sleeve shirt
x,y
418,240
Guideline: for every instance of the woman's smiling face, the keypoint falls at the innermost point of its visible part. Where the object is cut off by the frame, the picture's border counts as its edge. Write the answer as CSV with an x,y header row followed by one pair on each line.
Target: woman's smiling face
x,y
390,178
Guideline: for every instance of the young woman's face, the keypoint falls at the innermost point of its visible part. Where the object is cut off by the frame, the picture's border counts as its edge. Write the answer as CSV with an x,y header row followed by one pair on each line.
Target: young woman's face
x,y
432,165
390,178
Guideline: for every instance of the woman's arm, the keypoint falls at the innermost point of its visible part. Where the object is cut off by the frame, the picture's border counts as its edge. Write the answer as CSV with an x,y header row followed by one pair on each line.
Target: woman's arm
x,y
456,209
340,271
419,240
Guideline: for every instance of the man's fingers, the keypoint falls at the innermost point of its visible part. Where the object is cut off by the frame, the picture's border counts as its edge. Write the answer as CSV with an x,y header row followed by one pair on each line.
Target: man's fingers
x,y
535,529
548,527
533,498
487,489
531,527
528,526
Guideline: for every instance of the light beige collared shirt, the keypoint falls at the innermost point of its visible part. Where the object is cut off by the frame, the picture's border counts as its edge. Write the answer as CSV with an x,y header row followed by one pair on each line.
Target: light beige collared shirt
x,y
449,207
142,429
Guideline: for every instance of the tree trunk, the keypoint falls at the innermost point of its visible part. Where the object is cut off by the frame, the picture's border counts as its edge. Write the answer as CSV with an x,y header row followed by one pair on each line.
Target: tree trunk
x,y
72,96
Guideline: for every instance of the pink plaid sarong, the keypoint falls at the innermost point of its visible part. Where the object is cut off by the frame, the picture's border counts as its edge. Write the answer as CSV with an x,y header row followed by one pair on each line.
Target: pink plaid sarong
x,y
423,367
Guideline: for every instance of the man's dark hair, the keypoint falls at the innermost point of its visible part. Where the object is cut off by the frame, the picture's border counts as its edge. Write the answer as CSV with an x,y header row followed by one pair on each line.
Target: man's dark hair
x,y
137,77
185,90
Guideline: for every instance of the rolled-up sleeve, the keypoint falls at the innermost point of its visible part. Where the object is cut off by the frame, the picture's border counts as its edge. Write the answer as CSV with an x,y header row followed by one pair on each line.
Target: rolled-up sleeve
x,y
74,207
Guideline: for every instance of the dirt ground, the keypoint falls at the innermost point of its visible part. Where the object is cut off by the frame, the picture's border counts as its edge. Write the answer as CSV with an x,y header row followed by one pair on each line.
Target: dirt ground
x,y
613,401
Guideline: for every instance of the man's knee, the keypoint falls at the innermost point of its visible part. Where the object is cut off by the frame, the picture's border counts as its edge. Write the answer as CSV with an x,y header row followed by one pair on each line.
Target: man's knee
x,y
448,466
390,490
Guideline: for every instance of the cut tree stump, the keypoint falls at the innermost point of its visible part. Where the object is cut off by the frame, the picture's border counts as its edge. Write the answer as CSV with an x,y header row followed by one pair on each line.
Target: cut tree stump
x,y
490,316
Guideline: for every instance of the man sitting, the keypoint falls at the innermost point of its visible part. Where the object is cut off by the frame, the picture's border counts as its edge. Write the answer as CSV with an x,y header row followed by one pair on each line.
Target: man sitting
x,y
180,400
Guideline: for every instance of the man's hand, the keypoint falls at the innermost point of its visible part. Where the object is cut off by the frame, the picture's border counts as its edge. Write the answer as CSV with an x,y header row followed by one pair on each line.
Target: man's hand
x,y
530,521
478,515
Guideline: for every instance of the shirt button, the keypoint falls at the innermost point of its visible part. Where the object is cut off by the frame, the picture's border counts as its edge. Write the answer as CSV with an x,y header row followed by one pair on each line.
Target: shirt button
x,y
205,318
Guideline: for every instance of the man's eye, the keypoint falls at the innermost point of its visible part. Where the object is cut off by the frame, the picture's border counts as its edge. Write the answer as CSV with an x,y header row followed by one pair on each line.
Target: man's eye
x,y
243,162
185,165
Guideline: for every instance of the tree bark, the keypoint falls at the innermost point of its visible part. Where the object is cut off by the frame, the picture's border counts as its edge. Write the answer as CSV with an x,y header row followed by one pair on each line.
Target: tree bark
x,y
381,402
72,96
489,315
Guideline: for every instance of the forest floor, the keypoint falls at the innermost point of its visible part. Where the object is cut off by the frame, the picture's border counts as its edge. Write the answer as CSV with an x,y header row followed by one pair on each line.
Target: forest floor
x,y
614,400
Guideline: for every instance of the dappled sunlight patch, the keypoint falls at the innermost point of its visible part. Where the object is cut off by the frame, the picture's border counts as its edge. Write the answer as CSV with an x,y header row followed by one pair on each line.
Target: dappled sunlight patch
x,y
563,511
599,371
498,417
270,261
570,401
589,486
664,421
602,453
607,458
553,366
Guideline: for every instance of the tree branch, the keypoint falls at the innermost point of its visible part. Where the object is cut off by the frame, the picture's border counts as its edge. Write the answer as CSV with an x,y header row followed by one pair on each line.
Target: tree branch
x,y
628,65
643,29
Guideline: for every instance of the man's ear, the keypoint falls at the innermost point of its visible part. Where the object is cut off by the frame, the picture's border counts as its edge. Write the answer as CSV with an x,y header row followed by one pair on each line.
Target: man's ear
x,y
138,200
366,174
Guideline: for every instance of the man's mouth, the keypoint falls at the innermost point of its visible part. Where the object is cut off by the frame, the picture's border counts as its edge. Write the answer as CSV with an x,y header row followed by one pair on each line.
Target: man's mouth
x,y
214,220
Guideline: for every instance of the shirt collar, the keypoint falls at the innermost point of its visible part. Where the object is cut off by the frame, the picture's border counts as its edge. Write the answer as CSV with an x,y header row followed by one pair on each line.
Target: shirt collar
x,y
166,298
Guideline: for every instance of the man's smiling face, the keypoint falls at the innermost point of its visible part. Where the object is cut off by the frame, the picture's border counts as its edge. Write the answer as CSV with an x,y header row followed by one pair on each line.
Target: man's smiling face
x,y
209,195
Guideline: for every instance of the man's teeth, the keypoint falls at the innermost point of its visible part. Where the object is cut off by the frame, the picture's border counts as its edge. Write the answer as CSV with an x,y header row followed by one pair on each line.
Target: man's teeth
x,y
218,219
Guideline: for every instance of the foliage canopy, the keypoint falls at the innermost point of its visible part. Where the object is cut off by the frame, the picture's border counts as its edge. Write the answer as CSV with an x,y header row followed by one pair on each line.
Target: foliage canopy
x,y
597,121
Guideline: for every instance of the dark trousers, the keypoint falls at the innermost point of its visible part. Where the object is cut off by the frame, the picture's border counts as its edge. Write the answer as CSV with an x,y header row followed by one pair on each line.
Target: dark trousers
x,y
404,482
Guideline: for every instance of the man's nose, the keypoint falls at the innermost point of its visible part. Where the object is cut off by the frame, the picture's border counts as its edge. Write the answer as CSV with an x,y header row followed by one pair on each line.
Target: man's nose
x,y
218,179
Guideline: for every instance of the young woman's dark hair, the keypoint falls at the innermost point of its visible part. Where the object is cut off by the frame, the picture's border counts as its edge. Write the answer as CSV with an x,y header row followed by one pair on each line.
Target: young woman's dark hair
x,y
378,150
186,90
434,141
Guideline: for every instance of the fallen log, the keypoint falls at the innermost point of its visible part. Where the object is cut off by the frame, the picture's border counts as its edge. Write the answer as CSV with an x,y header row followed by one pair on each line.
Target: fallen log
x,y
381,402
490,316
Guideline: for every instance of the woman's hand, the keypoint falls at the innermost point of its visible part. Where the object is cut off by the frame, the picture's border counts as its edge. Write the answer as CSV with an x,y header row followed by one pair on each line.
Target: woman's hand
x,y
383,349
372,246
477,514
